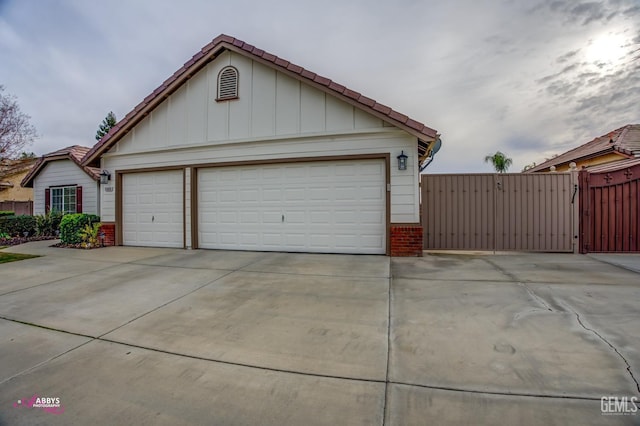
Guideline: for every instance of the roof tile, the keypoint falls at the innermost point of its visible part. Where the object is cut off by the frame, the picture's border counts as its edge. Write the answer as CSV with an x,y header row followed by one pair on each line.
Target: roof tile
x,y
75,153
308,74
351,94
209,46
337,87
322,80
414,124
625,140
248,47
189,62
366,101
168,81
382,108
397,116
223,38
179,72
295,68
269,57
281,62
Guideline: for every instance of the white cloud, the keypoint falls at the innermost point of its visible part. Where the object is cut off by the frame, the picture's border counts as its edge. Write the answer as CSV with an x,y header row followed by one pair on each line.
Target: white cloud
x,y
496,75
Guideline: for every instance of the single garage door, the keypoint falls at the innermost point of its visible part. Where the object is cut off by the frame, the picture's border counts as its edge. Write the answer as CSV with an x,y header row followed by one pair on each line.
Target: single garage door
x,y
324,206
152,209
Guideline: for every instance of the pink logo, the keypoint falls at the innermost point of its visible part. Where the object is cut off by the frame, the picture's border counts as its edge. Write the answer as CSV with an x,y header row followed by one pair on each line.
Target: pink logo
x,y
47,404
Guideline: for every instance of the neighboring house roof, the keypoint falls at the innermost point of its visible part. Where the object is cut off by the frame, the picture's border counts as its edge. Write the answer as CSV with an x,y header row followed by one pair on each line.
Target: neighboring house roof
x,y
616,165
74,153
13,167
425,135
625,141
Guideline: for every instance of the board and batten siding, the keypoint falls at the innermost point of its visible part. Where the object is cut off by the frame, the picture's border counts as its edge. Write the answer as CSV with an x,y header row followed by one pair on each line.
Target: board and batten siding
x,y
65,173
274,117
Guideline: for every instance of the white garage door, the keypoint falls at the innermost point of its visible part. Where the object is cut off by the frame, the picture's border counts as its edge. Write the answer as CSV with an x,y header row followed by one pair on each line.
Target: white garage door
x,y
326,207
152,209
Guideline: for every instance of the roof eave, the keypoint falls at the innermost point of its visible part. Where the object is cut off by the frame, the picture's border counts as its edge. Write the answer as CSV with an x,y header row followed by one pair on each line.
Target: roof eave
x,y
546,165
27,181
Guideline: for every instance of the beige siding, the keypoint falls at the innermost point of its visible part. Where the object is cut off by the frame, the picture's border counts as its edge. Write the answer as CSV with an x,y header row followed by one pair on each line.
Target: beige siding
x,y
62,173
287,99
312,109
275,116
404,183
270,104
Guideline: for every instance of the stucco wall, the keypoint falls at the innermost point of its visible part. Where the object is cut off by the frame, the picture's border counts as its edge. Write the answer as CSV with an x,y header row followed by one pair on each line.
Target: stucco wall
x,y
16,193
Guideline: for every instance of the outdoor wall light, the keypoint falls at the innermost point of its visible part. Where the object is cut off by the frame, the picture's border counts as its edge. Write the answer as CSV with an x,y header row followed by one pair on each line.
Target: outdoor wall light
x,y
402,161
105,177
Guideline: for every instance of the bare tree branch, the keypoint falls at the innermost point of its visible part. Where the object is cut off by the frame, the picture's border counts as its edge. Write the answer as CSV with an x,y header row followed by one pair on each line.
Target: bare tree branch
x,y
16,132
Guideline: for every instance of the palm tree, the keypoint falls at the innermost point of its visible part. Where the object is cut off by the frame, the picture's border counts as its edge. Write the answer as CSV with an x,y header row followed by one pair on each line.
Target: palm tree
x,y
500,161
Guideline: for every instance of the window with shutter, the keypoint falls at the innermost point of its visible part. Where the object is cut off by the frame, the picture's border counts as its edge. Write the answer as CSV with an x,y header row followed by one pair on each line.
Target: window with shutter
x,y
65,199
227,84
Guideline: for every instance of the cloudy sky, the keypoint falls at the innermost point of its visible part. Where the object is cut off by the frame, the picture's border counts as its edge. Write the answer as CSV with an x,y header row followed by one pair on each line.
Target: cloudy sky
x,y
529,78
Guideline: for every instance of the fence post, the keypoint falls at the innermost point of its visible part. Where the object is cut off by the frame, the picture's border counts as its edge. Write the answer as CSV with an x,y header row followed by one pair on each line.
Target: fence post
x,y
575,210
584,217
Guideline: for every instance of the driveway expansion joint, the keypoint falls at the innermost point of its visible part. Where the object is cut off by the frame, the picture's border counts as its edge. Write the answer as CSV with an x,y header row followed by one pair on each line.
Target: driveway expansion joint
x,y
165,304
386,382
55,281
501,270
386,385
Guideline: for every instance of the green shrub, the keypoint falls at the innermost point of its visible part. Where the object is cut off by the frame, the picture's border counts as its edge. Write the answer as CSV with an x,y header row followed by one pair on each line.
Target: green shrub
x,y
71,226
48,224
16,226
6,213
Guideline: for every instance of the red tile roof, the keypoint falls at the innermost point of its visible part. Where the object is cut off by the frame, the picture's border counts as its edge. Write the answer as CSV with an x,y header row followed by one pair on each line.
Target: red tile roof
x,y
12,167
75,153
426,136
625,140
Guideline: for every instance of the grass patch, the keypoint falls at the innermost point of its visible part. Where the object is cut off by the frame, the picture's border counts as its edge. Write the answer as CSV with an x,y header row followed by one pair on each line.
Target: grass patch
x,y
14,257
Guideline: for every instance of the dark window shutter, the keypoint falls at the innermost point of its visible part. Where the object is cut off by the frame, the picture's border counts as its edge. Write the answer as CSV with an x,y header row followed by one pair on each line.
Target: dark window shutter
x,y
47,200
78,199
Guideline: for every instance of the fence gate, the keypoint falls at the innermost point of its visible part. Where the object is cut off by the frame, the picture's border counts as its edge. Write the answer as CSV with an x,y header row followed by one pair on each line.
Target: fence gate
x,y
521,212
18,207
610,207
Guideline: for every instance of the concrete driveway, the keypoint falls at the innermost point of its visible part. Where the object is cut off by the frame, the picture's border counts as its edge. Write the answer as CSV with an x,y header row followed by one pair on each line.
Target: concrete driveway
x,y
127,335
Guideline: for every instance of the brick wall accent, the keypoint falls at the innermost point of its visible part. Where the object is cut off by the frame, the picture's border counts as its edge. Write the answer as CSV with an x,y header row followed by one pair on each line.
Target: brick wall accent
x,y
109,230
406,240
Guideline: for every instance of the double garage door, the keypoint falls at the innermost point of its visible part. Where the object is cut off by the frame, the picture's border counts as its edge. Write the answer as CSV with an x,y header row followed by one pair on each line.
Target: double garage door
x,y
323,206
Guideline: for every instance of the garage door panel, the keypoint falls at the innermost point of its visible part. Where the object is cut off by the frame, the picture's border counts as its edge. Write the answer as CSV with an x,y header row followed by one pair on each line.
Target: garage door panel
x,y
272,240
152,209
327,206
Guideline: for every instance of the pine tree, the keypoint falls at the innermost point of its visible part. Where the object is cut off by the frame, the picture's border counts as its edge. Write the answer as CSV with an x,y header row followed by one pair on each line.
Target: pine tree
x,y
108,122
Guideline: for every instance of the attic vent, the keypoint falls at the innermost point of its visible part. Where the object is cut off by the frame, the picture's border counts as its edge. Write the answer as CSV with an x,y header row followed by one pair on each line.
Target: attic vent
x,y
227,84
